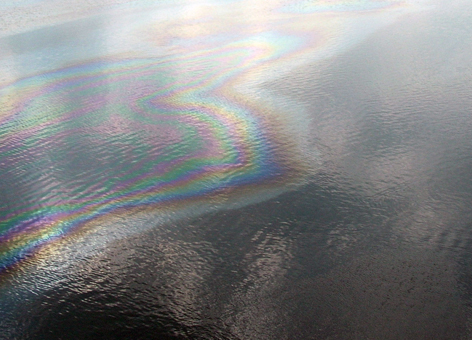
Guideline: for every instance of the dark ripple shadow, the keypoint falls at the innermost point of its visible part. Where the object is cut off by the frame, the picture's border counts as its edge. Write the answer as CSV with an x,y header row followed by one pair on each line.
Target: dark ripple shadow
x,y
303,266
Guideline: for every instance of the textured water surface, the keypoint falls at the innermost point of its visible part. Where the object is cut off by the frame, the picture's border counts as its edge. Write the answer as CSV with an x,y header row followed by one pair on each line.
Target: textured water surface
x,y
235,169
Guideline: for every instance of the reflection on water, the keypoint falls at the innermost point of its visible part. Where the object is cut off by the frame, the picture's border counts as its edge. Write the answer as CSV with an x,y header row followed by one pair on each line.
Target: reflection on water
x,y
236,170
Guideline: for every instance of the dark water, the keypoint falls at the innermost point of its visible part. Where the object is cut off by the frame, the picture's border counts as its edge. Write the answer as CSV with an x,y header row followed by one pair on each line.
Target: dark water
x,y
372,242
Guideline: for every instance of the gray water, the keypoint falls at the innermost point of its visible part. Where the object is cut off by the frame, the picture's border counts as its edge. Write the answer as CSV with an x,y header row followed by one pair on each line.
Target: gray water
x,y
375,244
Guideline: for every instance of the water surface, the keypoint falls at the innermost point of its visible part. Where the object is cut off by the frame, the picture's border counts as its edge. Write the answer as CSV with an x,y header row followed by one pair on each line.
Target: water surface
x,y
235,170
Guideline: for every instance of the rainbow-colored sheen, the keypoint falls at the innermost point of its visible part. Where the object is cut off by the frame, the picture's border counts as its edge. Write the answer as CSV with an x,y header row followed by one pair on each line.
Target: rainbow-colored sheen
x,y
167,109
156,130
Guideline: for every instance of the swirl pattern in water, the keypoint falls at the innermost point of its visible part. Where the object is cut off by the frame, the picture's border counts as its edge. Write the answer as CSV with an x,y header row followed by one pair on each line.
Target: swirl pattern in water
x,y
130,134
123,134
